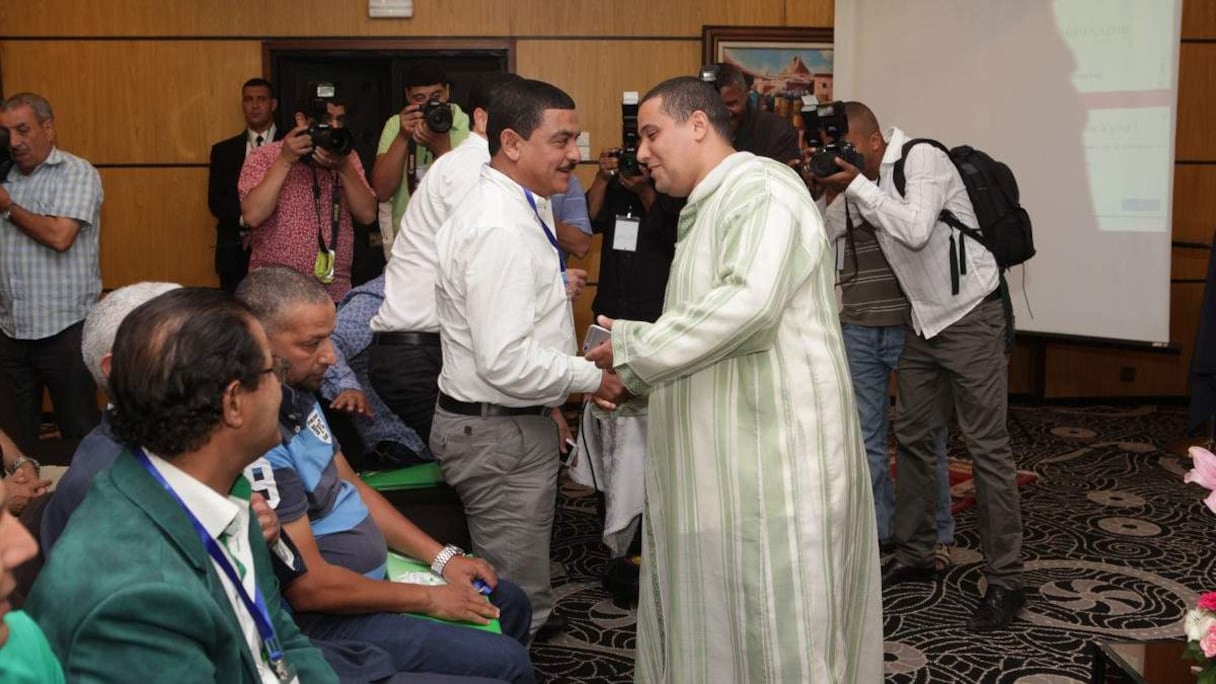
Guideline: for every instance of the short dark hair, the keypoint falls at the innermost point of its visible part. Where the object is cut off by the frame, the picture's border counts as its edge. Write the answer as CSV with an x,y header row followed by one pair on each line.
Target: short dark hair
x,y
520,105
314,107
861,118
730,75
258,82
271,290
424,73
485,88
683,95
173,358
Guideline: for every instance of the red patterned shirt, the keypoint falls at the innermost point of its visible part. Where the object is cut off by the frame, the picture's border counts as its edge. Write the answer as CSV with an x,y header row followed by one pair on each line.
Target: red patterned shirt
x,y
289,236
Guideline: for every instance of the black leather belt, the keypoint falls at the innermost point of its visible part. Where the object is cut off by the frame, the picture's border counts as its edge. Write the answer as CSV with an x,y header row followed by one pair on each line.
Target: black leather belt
x,y
428,339
473,408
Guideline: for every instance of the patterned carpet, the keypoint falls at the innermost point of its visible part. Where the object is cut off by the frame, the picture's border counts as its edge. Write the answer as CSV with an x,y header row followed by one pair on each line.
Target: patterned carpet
x,y
1115,548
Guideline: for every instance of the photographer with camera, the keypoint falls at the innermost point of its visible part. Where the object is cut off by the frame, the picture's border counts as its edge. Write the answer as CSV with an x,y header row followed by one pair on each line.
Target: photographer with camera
x,y
762,133
299,195
953,349
428,127
50,276
872,315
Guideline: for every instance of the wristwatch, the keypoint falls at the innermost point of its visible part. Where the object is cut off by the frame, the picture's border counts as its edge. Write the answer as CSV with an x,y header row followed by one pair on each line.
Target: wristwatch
x,y
441,559
8,212
22,460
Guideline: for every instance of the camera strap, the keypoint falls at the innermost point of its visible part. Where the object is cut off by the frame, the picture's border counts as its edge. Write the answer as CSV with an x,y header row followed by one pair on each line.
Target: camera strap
x,y
327,254
411,165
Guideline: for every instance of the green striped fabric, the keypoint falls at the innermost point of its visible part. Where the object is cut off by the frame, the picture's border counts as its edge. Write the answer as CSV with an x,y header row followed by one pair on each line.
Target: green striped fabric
x,y
760,557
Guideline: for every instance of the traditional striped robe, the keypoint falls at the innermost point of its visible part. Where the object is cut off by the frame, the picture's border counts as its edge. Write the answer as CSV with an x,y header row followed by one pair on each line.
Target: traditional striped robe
x,y
760,557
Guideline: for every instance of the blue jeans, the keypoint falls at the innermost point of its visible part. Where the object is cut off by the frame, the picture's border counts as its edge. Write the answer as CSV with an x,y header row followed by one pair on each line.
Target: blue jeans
x,y
420,645
873,353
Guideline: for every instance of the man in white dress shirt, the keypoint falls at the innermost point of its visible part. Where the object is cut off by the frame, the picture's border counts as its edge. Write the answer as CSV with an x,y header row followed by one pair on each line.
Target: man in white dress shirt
x,y
405,358
508,337
954,346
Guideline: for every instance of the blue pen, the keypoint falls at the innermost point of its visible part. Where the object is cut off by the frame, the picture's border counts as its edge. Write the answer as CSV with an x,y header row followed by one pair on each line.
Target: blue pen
x,y
482,587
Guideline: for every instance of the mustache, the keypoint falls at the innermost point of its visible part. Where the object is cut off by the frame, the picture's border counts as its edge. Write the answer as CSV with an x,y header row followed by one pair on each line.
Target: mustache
x,y
567,168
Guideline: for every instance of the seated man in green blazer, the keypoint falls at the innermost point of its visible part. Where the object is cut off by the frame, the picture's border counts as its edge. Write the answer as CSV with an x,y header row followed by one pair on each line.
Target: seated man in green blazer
x,y
160,575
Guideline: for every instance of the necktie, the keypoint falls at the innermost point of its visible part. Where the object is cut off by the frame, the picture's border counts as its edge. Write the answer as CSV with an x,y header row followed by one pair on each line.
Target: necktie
x,y
258,141
232,544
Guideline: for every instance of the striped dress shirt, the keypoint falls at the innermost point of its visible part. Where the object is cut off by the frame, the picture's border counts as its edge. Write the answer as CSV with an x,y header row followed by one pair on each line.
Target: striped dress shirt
x,y
915,242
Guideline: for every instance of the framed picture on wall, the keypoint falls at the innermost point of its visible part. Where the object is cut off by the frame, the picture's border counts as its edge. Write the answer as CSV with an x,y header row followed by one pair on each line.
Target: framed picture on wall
x,y
781,64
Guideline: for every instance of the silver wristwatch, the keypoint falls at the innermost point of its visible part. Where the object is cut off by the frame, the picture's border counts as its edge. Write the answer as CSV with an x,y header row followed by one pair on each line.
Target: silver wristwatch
x,y
441,559
22,460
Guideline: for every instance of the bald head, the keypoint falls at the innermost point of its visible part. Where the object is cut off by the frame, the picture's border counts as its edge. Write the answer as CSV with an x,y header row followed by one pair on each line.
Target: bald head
x,y
861,119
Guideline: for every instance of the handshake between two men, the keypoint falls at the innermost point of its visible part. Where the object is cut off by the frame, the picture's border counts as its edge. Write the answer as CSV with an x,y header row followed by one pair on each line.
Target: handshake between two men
x,y
612,391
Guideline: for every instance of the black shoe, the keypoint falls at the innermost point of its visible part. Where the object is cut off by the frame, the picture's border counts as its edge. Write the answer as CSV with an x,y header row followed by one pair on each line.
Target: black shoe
x,y
997,609
895,572
555,625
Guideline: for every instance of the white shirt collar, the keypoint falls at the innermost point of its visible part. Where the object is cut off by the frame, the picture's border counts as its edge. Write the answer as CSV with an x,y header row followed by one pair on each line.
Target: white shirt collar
x,y
214,511
267,135
895,145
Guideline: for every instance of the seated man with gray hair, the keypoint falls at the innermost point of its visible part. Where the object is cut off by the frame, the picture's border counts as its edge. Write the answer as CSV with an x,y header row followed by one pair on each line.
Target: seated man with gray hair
x,y
344,528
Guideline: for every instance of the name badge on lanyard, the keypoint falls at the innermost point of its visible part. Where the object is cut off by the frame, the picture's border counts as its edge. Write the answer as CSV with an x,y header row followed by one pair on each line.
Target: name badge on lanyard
x,y
561,263
272,650
625,234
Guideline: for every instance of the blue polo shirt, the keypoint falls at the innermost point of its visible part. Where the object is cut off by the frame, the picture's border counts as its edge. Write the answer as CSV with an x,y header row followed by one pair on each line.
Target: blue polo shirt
x,y
309,484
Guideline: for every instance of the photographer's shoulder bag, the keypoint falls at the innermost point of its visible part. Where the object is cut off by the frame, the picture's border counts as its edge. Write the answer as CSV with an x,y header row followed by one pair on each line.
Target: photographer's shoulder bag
x,y
1004,226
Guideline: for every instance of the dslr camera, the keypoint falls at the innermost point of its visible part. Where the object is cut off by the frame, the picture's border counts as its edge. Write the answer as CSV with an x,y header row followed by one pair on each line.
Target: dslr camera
x,y
437,115
627,154
337,141
6,156
827,121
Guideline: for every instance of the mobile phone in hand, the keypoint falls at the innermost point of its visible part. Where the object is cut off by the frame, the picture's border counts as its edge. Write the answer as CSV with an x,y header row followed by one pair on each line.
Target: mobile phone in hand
x,y
595,335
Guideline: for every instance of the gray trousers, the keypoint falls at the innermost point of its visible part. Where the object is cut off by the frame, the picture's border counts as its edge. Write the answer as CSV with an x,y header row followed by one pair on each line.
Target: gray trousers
x,y
505,471
966,360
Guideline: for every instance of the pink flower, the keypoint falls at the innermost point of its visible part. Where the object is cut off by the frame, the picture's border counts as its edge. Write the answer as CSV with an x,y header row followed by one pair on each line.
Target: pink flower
x,y
1204,473
1208,643
1208,601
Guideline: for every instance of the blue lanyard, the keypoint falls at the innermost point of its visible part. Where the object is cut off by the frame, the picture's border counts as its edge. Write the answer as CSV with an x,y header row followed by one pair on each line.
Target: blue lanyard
x,y
548,233
256,606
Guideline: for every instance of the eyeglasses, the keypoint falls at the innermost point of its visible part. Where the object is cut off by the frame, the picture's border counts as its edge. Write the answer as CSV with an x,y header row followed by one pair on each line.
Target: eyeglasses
x,y
279,368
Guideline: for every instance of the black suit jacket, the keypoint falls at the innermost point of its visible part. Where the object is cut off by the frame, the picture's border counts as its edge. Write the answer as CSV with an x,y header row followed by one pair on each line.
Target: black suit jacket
x,y
227,158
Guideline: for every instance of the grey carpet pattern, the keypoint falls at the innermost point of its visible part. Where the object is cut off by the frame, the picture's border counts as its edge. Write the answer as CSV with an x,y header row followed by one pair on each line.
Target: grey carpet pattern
x,y
1116,547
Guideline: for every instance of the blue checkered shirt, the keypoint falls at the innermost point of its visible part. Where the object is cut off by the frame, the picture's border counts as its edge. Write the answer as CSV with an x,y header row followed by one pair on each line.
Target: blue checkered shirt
x,y
42,291
351,337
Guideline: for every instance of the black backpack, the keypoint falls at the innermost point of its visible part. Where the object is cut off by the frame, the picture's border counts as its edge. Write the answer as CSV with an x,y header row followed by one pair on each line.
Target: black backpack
x,y
1004,226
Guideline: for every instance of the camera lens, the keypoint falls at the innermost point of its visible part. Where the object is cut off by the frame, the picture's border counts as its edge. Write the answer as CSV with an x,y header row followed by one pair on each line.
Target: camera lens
x,y
438,116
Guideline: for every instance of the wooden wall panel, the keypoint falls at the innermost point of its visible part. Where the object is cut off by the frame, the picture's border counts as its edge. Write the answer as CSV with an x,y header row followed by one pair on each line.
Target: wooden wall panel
x,y
803,13
136,102
1087,371
1194,202
1196,137
431,18
155,226
1198,19
243,18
